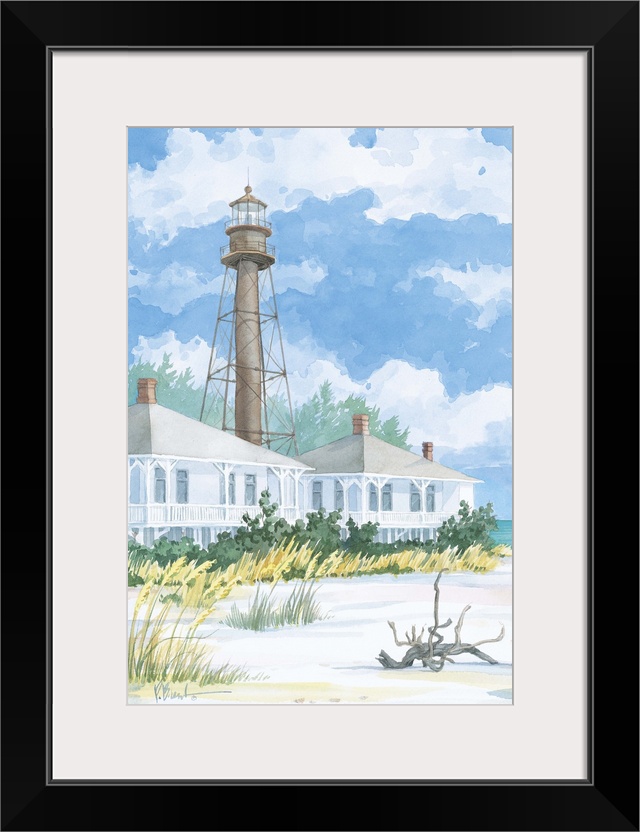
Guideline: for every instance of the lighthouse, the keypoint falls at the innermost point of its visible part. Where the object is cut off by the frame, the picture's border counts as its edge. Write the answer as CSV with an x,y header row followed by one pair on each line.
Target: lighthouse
x,y
247,389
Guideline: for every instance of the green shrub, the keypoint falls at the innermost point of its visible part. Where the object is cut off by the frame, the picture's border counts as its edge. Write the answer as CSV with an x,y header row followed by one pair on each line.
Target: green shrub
x,y
225,551
360,537
322,531
166,552
469,528
265,530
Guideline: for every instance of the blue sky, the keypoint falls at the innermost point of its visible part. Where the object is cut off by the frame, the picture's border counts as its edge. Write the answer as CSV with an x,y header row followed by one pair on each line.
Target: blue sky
x,y
393,271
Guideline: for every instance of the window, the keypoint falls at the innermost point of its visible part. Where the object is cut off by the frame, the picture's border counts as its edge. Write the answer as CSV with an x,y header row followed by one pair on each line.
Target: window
x,y
431,498
182,486
250,490
232,489
136,486
353,498
273,487
316,495
160,485
416,502
373,497
339,497
387,497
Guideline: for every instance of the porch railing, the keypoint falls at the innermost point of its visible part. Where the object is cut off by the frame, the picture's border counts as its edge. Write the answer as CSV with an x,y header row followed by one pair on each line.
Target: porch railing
x,y
181,514
400,519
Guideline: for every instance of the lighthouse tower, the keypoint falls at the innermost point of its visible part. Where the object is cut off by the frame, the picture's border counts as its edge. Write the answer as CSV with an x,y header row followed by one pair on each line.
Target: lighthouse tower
x,y
247,390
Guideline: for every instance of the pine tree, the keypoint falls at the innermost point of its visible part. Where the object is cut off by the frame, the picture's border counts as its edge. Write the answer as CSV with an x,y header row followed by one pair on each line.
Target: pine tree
x,y
320,420
175,390
323,419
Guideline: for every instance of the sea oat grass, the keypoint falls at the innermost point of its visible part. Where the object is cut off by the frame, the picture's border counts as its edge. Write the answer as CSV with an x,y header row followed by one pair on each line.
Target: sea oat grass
x,y
160,650
203,585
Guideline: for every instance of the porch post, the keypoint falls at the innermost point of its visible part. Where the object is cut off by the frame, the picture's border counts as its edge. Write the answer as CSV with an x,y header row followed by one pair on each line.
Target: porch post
x,y
296,488
282,478
148,470
225,475
168,467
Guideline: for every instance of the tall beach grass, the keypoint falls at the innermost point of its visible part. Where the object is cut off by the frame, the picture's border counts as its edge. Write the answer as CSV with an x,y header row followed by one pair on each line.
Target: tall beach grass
x,y
262,613
164,649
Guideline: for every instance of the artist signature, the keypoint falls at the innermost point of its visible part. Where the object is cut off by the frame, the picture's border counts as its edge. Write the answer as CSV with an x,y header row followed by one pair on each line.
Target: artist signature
x,y
165,691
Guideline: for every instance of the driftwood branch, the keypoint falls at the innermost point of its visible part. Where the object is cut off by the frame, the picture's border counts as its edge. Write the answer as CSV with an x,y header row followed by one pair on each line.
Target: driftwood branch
x,y
436,652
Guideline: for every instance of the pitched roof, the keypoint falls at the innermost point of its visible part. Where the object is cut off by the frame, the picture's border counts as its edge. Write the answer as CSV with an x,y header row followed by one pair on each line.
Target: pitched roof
x,y
154,429
366,454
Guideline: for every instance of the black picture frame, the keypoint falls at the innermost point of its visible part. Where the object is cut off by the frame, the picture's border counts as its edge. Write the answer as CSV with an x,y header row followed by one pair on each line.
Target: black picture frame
x,y
608,798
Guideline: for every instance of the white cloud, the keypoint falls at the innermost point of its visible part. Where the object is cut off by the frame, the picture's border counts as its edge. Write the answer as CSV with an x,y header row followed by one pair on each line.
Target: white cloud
x,y
305,382
485,287
417,397
174,287
194,354
308,365
394,146
302,276
182,191
481,285
488,316
410,170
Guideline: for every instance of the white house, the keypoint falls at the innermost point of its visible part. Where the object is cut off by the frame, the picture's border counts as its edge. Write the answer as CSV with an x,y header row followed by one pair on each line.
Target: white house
x,y
187,478
370,480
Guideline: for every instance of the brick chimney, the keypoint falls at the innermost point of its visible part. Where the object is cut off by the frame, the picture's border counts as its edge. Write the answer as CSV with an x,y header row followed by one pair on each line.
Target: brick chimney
x,y
427,450
360,424
147,391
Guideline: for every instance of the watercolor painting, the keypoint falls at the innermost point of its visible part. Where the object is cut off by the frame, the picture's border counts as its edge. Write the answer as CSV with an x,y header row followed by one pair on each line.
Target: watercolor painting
x,y
320,416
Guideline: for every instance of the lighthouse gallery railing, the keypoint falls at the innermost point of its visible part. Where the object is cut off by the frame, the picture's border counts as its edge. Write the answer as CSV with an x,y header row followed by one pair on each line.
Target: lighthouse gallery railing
x,y
247,245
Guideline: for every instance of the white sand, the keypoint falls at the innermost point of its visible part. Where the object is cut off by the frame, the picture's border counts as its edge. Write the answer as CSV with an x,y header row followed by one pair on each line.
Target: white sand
x,y
333,661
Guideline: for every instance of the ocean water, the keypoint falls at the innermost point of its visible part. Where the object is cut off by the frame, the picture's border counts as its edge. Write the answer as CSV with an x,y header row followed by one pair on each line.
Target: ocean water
x,y
503,534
